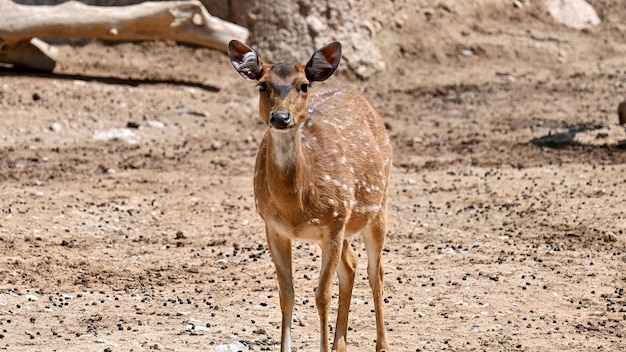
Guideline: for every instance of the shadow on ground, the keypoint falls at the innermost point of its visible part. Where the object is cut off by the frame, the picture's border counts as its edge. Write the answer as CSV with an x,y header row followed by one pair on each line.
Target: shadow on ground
x,y
569,137
133,82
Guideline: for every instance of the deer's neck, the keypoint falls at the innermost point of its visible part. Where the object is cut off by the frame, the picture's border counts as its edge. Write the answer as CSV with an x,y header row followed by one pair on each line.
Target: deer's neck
x,y
287,174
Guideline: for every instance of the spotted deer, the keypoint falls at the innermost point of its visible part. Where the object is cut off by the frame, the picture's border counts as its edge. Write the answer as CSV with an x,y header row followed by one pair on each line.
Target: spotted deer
x,y
321,174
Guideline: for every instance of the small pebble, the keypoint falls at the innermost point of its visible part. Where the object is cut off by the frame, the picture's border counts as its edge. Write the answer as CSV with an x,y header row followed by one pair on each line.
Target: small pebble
x,y
216,145
132,124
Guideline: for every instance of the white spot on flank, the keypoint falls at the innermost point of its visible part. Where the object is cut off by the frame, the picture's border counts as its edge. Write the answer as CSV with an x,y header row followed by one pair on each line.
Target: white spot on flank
x,y
310,123
331,201
344,160
335,214
327,177
336,183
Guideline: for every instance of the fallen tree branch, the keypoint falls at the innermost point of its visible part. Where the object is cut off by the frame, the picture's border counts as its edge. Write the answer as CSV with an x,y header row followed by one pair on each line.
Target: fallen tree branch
x,y
181,21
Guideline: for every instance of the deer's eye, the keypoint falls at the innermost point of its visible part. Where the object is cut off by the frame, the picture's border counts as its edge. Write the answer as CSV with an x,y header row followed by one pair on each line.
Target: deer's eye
x,y
304,87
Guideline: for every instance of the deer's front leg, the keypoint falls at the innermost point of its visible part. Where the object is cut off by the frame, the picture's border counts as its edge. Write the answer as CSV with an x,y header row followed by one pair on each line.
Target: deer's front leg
x,y
280,249
331,253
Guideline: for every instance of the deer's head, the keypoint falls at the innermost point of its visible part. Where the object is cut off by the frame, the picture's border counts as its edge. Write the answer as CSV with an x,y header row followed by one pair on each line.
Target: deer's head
x,y
284,87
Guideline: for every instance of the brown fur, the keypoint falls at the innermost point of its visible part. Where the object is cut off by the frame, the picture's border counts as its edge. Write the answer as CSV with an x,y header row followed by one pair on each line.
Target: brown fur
x,y
301,192
322,178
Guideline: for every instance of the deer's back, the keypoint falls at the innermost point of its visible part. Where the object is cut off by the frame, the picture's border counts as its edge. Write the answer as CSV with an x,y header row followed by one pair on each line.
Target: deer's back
x,y
350,153
351,117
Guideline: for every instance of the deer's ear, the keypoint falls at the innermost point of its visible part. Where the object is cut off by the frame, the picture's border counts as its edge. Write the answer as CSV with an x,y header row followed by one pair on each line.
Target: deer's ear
x,y
245,60
324,62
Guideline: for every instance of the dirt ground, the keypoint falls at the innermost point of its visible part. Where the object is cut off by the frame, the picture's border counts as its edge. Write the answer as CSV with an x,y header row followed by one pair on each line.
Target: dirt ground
x,y
507,215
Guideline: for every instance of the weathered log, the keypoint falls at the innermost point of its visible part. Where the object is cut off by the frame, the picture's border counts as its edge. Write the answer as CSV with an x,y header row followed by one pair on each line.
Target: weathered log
x,y
181,21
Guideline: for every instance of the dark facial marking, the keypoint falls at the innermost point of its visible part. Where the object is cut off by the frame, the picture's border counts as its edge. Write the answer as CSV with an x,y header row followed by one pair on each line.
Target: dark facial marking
x,y
284,70
282,78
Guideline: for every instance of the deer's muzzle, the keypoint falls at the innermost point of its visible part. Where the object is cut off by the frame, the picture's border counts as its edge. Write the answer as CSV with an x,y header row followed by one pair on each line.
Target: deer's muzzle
x,y
280,120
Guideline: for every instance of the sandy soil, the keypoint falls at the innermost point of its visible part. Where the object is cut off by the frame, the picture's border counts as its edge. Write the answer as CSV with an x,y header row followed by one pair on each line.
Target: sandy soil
x,y
507,213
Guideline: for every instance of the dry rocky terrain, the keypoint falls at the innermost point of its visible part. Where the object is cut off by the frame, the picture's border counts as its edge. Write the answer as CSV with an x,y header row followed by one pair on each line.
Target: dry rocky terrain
x,y
127,218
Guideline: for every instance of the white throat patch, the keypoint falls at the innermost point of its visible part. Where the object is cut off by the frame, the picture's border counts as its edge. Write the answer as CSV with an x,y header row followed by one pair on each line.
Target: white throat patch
x,y
284,153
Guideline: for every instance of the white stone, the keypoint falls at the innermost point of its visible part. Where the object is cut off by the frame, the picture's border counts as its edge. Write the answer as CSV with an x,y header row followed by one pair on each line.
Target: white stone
x,y
117,134
193,327
231,347
578,14
316,25
155,124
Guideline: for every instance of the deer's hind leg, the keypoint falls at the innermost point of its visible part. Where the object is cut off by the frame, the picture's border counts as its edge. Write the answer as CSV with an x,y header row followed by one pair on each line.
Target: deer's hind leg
x,y
374,238
345,272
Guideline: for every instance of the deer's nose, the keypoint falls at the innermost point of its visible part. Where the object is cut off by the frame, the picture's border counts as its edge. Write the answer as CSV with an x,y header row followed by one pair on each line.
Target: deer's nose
x,y
280,120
